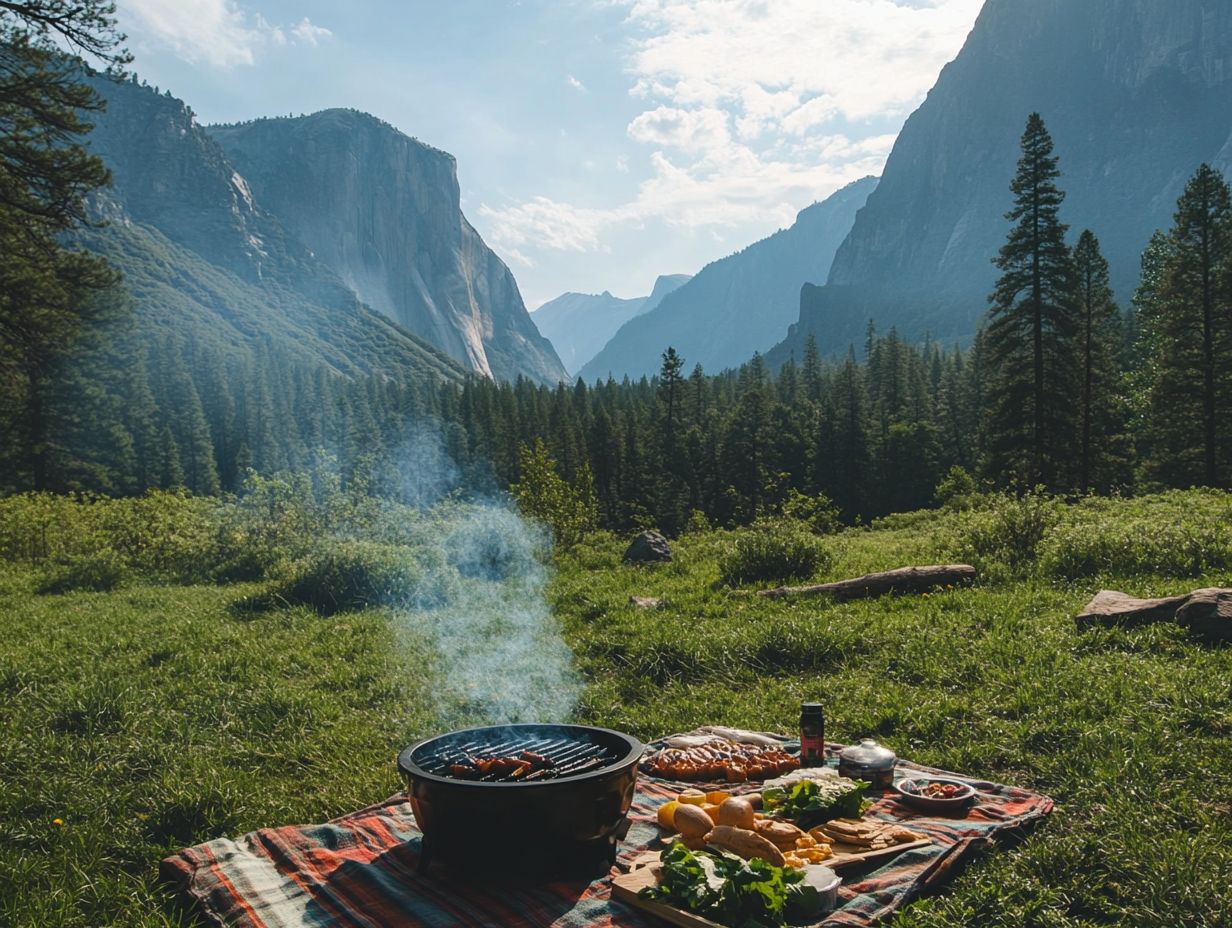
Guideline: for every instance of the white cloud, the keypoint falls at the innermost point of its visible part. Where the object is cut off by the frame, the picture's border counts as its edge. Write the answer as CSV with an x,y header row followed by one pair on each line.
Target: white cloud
x,y
698,130
754,109
219,33
576,84
868,57
310,33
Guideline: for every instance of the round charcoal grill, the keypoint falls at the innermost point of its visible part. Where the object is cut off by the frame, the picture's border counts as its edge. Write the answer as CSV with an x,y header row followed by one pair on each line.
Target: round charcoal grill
x,y
561,815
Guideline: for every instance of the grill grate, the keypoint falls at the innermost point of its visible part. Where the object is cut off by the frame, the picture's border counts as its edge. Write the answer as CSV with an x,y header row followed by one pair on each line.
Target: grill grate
x,y
568,757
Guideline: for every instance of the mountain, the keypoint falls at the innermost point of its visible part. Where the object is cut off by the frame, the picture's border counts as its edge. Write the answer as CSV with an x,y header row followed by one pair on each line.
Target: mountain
x,y
739,304
579,324
1135,93
206,264
382,211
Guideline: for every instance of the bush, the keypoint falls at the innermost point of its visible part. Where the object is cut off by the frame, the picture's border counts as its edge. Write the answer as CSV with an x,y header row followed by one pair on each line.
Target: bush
x,y
569,510
90,573
1009,528
772,552
354,575
817,513
957,490
1175,534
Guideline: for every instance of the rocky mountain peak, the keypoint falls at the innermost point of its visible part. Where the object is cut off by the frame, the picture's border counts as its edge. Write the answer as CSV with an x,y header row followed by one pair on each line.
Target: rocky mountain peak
x,y
382,210
1135,93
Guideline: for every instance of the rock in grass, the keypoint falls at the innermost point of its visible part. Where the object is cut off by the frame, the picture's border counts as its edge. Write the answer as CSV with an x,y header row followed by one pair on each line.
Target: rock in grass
x,y
648,548
1206,612
644,602
1110,607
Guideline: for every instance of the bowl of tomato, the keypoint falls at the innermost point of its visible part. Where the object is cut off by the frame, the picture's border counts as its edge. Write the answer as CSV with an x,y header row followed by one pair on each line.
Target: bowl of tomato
x,y
934,794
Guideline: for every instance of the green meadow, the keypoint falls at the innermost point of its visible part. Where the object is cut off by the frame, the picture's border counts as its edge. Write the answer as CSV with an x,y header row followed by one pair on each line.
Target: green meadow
x,y
145,706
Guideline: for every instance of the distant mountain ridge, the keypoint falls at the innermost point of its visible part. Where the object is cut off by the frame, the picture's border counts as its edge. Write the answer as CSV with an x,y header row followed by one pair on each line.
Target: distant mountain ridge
x,y
738,304
1135,93
579,324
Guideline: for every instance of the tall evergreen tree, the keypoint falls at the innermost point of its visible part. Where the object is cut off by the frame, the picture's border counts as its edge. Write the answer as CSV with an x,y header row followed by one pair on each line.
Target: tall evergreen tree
x,y
1031,329
46,173
1103,442
1193,340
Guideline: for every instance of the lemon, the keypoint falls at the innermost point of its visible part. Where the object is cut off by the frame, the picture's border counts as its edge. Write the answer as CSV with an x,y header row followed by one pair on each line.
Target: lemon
x,y
667,815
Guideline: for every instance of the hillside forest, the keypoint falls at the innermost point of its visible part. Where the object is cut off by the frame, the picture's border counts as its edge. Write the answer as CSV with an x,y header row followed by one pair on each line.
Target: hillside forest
x,y
1060,389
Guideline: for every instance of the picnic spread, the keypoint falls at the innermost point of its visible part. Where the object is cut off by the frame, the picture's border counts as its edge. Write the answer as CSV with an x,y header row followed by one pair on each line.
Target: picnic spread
x,y
719,809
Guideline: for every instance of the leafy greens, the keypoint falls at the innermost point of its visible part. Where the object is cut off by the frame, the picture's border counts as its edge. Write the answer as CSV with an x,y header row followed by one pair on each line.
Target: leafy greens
x,y
811,802
733,892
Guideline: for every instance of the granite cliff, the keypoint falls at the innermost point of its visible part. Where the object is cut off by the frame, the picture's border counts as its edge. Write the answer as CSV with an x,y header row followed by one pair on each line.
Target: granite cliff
x,y
382,211
206,263
1136,94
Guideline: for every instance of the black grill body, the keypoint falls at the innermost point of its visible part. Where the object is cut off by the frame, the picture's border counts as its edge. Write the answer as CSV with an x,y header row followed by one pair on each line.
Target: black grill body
x,y
563,821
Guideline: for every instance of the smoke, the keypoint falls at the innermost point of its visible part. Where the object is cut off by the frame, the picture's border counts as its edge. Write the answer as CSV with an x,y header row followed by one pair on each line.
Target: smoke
x,y
500,654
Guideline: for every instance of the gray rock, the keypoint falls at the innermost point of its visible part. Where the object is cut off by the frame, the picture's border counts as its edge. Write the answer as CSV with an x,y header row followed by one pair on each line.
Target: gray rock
x,y
648,548
645,602
1208,613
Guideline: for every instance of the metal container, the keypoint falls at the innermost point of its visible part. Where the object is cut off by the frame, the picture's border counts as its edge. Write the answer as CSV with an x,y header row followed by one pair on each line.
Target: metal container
x,y
868,761
826,882
564,824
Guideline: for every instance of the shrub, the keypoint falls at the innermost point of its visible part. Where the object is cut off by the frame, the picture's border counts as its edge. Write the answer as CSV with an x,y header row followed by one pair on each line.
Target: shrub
x,y
770,552
1009,528
1175,534
957,489
91,573
817,513
354,575
569,510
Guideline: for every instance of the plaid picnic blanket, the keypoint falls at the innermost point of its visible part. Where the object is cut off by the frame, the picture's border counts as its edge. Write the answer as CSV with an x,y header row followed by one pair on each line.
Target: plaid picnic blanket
x,y
359,871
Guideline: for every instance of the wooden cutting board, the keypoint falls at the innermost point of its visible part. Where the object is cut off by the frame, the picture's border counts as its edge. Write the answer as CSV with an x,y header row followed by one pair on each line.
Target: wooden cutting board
x,y
645,872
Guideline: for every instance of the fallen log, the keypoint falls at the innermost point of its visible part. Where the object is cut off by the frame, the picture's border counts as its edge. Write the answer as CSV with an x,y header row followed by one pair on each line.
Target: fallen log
x,y
902,580
1206,612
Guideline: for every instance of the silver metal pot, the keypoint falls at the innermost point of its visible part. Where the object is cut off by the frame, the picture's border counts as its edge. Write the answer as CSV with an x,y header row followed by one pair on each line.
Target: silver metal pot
x,y
868,761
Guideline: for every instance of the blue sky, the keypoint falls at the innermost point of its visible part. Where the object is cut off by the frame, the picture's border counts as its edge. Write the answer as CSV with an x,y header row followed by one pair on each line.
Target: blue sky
x,y
599,142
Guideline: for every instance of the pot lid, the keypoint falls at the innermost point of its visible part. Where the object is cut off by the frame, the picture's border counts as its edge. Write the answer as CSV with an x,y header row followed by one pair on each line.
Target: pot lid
x,y
868,753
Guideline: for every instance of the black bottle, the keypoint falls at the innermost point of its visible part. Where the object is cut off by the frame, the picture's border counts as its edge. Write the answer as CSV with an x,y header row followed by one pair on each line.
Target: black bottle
x,y
812,735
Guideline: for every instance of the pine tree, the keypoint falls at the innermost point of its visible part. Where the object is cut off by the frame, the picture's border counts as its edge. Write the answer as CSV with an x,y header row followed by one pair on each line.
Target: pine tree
x,y
1191,389
1031,329
812,370
844,455
46,172
670,384
1103,444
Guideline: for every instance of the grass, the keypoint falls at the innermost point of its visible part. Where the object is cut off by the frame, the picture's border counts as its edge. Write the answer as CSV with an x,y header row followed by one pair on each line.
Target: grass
x,y
151,717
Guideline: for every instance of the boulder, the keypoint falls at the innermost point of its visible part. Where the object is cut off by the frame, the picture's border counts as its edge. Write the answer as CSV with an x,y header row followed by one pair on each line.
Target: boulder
x,y
648,548
1206,612
645,602
1110,607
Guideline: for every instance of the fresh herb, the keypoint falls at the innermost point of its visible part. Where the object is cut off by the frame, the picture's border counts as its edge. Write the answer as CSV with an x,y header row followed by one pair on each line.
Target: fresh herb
x,y
731,891
811,802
